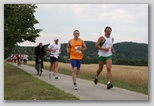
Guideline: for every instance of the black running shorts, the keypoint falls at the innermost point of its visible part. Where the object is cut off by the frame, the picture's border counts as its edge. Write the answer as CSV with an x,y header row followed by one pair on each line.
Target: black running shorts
x,y
53,59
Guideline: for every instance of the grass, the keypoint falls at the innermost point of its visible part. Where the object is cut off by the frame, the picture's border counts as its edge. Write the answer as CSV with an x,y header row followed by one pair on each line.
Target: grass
x,y
19,85
132,78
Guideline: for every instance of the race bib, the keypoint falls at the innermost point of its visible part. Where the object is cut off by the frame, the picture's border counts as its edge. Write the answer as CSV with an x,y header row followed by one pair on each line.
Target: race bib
x,y
76,48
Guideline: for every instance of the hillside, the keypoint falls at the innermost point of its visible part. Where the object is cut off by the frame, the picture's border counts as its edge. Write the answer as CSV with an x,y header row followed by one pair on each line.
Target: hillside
x,y
131,53
132,50
127,53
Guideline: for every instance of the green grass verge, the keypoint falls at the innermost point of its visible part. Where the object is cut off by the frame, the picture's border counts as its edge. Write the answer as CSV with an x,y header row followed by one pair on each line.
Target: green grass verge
x,y
19,85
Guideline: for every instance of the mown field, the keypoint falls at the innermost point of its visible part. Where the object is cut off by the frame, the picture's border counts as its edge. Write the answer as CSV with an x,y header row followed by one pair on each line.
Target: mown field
x,y
133,78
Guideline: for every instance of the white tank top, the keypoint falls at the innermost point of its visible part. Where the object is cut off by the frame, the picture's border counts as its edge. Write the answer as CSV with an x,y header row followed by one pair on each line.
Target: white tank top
x,y
105,44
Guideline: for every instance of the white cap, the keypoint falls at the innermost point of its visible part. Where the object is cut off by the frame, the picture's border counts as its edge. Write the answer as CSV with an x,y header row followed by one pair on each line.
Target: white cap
x,y
55,38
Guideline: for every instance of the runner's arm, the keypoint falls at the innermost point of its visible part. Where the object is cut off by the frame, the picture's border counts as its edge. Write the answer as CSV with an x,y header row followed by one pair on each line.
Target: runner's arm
x,y
84,47
112,49
68,48
59,51
49,48
97,45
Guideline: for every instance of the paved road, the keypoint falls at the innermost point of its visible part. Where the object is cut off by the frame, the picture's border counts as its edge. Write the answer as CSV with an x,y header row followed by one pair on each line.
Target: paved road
x,y
86,89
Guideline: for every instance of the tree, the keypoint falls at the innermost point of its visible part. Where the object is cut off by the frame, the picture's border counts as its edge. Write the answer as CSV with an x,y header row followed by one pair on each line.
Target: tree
x,y
19,23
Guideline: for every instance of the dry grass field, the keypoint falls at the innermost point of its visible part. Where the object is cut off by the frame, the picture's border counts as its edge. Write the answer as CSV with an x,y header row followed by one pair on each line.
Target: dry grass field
x,y
138,74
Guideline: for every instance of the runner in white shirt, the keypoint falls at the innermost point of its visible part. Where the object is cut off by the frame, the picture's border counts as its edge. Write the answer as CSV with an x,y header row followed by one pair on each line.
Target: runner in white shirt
x,y
55,49
25,58
105,48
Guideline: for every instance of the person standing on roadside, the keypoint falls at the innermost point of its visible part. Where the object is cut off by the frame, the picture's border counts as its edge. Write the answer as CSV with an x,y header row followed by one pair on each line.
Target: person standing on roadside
x,y
55,50
75,47
39,52
105,48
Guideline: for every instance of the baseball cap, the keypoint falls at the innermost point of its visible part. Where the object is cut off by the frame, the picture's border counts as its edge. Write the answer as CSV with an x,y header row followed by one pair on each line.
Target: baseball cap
x,y
55,38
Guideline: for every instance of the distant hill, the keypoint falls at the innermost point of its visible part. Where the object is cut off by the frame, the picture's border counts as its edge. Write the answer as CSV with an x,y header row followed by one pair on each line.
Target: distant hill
x,y
131,53
131,50
127,53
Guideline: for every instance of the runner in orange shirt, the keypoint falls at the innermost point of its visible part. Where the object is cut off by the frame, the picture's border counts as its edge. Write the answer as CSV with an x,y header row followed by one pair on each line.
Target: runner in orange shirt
x,y
75,47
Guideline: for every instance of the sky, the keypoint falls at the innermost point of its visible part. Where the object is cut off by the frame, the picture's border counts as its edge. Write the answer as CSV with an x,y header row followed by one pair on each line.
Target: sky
x,y
129,22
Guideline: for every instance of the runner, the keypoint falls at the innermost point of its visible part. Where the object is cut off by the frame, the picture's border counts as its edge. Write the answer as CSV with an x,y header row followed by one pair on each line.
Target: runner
x,y
25,59
18,58
75,47
104,45
55,50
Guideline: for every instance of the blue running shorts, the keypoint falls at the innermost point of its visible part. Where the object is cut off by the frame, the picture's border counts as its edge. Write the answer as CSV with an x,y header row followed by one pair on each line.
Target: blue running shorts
x,y
76,63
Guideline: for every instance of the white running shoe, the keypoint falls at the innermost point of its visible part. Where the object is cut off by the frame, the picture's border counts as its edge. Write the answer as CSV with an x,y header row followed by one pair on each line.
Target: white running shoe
x,y
75,87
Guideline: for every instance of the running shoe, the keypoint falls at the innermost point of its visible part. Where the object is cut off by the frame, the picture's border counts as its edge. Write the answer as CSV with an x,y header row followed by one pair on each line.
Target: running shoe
x,y
56,77
109,86
95,81
75,87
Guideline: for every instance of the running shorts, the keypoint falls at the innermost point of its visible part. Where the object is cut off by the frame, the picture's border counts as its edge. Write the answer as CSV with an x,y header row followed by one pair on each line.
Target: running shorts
x,y
53,59
103,59
76,63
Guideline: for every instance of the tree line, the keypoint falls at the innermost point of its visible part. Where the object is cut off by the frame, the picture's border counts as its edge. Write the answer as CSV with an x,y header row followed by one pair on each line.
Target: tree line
x,y
127,53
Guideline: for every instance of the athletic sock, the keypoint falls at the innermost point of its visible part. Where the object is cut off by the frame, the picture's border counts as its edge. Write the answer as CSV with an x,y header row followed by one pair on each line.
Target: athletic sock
x,y
56,75
108,83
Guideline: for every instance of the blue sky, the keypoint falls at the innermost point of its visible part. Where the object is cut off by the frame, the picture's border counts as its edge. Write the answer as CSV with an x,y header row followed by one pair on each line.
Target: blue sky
x,y
129,22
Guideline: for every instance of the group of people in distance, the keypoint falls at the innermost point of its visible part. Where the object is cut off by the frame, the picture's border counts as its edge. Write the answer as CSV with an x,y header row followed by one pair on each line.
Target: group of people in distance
x,y
18,58
75,47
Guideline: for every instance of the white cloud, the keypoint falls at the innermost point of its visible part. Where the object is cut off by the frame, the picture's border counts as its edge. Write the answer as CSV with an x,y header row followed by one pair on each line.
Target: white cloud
x,y
128,21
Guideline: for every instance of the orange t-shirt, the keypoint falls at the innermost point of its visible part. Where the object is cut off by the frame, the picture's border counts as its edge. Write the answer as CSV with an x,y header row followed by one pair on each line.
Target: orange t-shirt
x,y
74,52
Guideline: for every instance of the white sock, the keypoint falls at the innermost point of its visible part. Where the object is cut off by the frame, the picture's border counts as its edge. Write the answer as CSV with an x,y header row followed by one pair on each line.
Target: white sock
x,y
56,75
108,82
